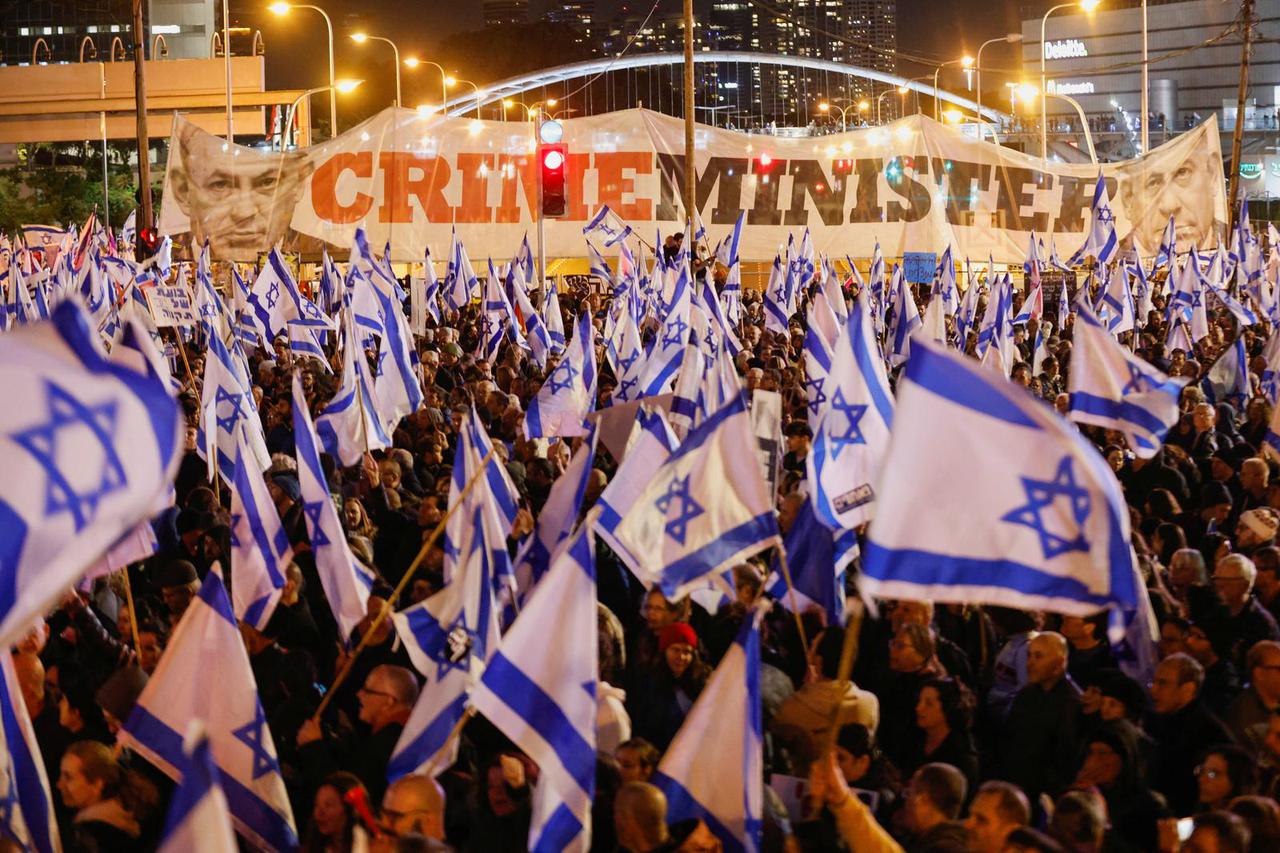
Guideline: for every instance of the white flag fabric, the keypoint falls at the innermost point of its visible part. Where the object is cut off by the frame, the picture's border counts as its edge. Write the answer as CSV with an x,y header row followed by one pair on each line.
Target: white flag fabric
x,y
349,425
89,449
852,434
1022,510
260,550
546,703
1100,241
27,816
667,349
714,768
205,675
557,519
227,409
707,508
569,393
345,580
198,819
1113,388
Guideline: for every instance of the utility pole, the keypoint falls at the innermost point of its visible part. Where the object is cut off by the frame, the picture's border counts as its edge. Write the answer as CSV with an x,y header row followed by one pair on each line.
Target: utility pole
x,y
1237,135
690,201
140,110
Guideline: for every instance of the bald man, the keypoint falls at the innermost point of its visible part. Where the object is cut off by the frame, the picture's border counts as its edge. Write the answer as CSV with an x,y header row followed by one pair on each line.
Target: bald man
x,y
414,804
640,817
1037,745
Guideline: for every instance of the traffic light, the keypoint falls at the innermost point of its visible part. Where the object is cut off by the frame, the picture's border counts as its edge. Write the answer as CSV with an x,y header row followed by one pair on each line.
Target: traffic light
x,y
552,159
148,243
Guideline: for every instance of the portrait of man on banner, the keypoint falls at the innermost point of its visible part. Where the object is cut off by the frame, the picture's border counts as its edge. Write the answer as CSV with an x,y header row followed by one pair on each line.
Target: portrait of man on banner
x,y
242,200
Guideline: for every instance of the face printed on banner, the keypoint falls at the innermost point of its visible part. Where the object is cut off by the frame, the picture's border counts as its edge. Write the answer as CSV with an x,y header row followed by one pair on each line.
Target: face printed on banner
x,y
241,202
1184,190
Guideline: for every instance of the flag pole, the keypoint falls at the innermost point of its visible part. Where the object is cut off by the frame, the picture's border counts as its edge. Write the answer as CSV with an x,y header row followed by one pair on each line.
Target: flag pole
x,y
404,581
848,654
133,613
791,595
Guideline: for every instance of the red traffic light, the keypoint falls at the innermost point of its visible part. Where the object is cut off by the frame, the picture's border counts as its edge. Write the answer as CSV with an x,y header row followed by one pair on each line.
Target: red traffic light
x,y
552,159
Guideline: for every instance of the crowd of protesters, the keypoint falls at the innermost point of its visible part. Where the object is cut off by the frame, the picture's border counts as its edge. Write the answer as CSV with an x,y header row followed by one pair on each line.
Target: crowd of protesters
x,y
963,728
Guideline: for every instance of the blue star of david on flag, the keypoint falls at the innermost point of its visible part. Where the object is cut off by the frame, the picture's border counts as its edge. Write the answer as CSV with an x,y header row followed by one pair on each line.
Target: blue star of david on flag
x,y
9,805
273,295
228,422
625,386
1041,495
852,434
1105,215
42,441
1138,381
313,510
689,509
625,363
253,734
454,652
566,373
819,396
679,331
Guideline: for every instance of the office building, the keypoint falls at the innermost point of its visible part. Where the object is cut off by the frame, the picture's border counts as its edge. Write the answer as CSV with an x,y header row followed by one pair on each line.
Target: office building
x,y
505,13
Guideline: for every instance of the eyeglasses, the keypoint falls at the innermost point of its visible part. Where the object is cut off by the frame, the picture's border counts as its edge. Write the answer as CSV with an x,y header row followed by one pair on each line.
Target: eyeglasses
x,y
1208,773
368,692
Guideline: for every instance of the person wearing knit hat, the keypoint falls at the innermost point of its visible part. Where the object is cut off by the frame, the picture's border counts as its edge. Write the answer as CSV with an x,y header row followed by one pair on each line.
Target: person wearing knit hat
x,y
662,694
179,584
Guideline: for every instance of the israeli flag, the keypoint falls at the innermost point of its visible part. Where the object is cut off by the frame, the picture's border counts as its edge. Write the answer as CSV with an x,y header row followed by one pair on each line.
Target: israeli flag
x,y
1243,314
569,393
260,550
274,299
495,490
599,267
449,637
554,320
1100,242
1112,388
649,446
546,704
204,675
536,337
397,388
714,768
1271,441
199,817
1227,381
667,350
629,361
460,278
685,398
720,324
777,316
556,521
1023,511
90,450
345,579
707,508
817,558
227,408
906,319
609,225
27,814
1039,351
1269,379
852,435
967,313
523,260
303,344
1116,308
1168,250
817,370
349,425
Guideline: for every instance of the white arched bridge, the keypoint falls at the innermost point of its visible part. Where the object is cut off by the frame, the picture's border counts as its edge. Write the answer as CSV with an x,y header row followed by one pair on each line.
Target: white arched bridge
x,y
514,86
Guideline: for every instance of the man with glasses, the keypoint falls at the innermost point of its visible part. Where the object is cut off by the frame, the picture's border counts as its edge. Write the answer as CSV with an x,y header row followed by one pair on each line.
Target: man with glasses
x,y
1249,622
1182,727
1250,714
386,700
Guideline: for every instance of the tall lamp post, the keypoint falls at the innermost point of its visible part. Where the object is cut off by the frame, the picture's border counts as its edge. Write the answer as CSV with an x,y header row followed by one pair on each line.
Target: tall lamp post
x,y
283,9
362,38
340,87
1087,6
450,81
901,90
413,62
826,107
966,62
1011,38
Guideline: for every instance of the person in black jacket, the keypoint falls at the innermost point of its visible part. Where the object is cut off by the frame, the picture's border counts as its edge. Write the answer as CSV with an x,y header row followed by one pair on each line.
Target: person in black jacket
x,y
1038,744
1182,726
944,720
1112,763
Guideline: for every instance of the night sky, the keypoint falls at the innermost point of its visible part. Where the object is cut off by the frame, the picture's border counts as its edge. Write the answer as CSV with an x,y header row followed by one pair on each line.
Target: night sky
x,y
939,28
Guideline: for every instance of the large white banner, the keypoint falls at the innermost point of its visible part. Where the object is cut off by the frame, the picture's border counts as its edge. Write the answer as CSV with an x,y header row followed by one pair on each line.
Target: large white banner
x,y
913,185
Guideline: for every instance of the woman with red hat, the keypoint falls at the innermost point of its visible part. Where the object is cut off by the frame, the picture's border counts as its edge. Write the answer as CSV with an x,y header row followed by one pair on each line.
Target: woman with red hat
x,y
662,694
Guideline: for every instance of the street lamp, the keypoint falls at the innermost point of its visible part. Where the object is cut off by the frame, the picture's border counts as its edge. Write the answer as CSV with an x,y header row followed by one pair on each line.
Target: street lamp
x,y
1011,38
283,9
1086,6
342,86
965,61
361,38
453,81
825,107
413,62
507,104
1027,92
901,90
